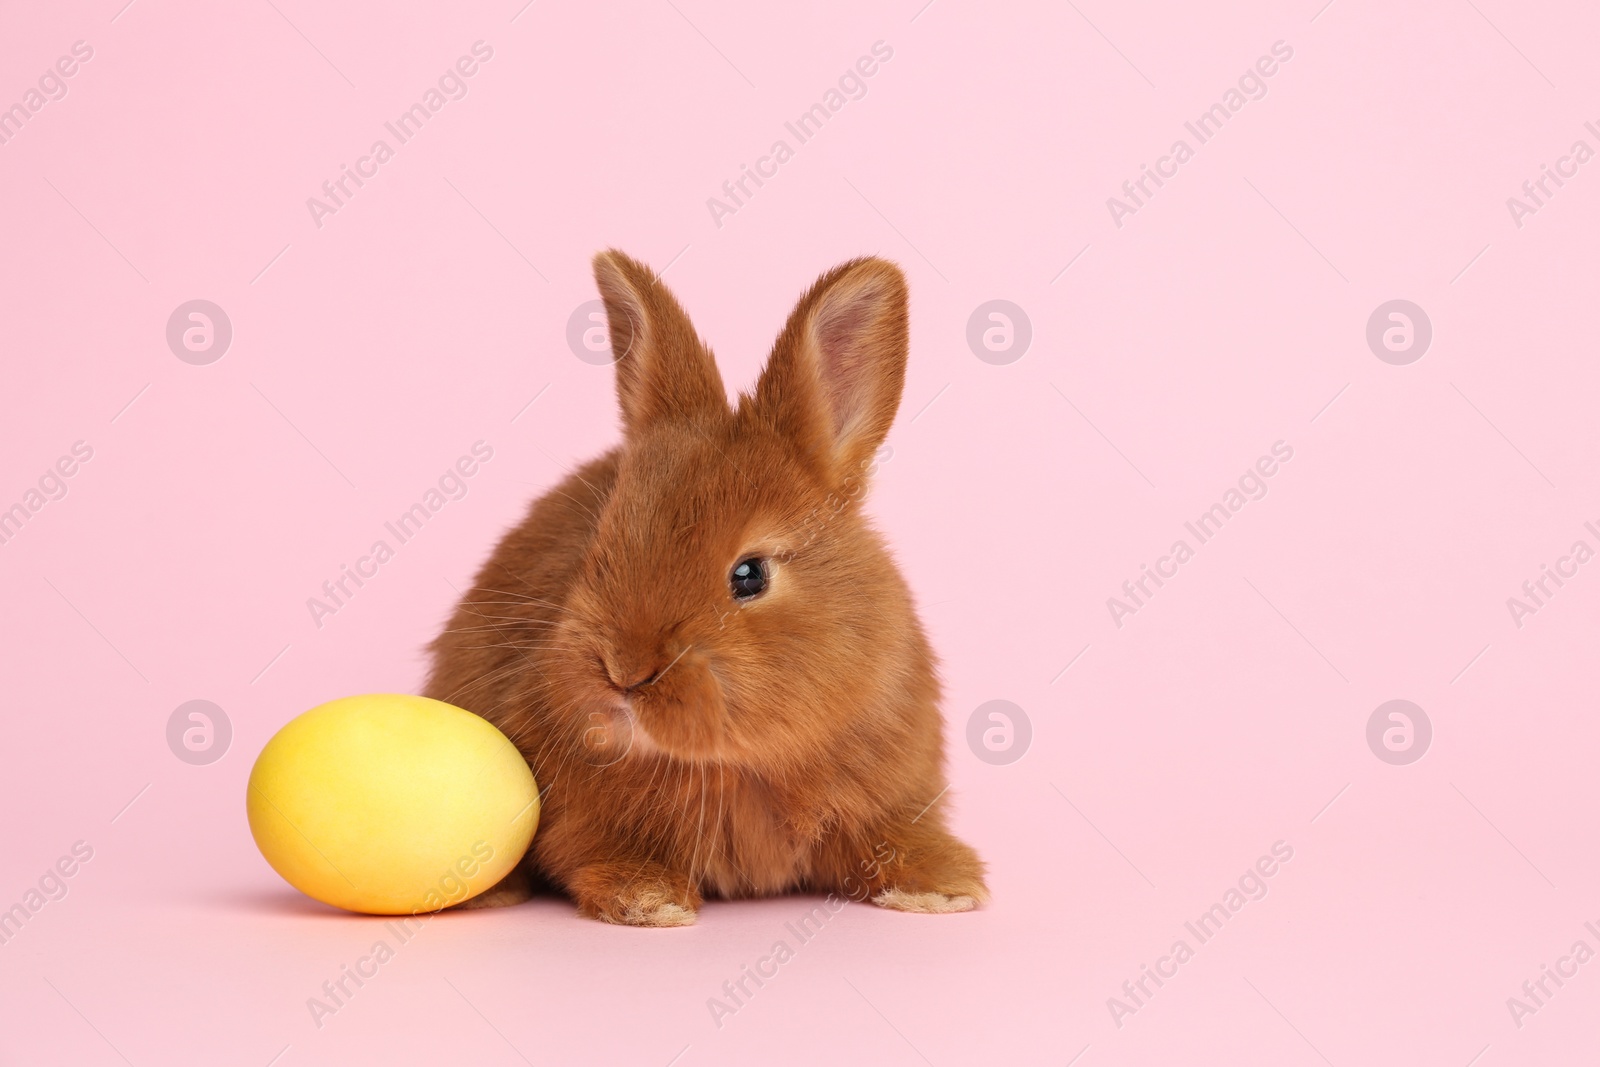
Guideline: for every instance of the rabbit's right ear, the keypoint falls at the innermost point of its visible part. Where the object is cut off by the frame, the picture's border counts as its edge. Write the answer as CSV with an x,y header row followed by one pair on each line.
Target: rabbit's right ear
x,y
833,383
663,370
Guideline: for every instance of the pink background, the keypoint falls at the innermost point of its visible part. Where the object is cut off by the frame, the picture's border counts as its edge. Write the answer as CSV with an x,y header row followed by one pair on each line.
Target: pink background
x,y
1223,316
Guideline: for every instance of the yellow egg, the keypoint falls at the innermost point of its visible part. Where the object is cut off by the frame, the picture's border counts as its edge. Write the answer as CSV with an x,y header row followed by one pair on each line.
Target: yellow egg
x,y
391,805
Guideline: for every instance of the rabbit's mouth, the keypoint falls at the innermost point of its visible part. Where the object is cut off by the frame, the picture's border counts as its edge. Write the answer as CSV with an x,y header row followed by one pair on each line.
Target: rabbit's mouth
x,y
646,699
613,732
682,710
639,739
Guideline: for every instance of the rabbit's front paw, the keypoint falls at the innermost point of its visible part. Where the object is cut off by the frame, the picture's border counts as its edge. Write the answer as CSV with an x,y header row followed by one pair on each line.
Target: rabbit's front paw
x,y
923,868
929,903
635,894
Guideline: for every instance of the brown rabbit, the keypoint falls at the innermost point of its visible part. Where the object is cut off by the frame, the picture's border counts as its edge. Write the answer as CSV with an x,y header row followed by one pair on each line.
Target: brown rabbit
x,y
705,653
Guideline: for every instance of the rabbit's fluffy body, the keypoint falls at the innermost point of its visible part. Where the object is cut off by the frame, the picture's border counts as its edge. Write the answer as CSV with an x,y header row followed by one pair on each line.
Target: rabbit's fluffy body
x,y
689,742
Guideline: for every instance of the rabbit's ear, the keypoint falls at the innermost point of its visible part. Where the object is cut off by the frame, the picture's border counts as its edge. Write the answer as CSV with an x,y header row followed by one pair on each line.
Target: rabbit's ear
x,y
834,380
663,371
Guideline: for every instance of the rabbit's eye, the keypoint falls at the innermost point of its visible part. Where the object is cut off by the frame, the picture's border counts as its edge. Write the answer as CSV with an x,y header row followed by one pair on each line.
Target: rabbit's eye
x,y
749,578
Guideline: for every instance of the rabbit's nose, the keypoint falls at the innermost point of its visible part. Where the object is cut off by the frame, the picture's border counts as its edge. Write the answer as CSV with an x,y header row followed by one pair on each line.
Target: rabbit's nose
x,y
628,673
644,669
642,678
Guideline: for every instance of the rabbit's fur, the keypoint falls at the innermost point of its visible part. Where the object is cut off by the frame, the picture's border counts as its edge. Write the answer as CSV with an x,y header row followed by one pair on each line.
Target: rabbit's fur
x,y
693,744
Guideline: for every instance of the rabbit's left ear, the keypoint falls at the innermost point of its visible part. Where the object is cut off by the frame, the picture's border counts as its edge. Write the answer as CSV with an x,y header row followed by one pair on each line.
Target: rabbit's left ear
x,y
663,371
834,380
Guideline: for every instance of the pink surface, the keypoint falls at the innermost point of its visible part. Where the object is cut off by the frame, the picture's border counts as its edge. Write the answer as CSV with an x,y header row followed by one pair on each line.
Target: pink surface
x,y
1227,312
